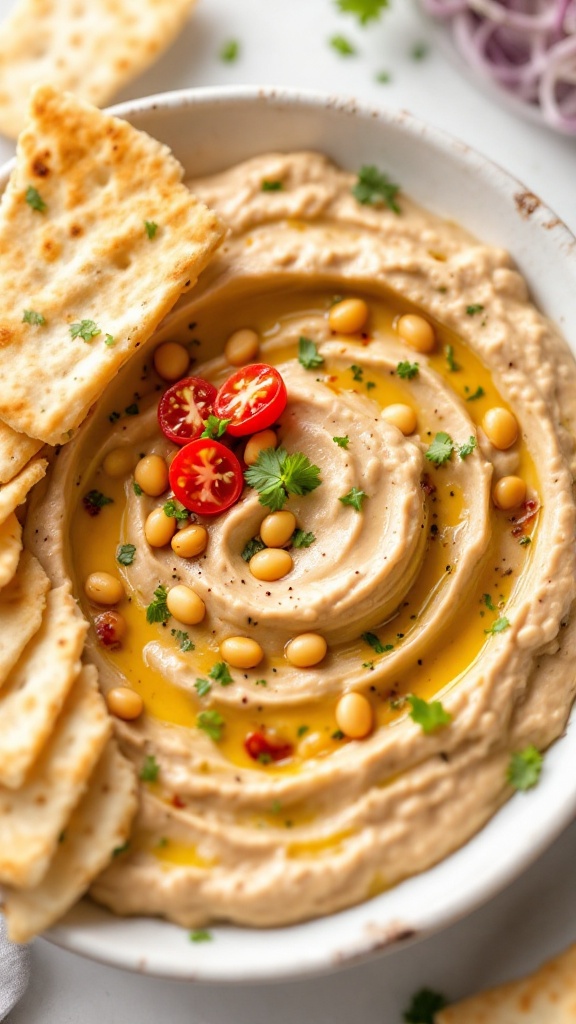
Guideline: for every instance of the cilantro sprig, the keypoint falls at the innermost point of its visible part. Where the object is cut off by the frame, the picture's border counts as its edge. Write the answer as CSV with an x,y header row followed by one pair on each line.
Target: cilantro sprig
x,y
342,442
34,199
32,317
407,370
524,768
376,644
221,673
429,715
183,639
301,539
440,451
354,497
308,354
374,188
174,509
150,769
252,548
276,475
212,723
85,329
157,610
125,554
214,427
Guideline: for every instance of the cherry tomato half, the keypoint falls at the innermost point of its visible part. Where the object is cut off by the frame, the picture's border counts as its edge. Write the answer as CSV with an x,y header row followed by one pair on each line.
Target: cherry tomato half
x,y
206,477
184,407
252,399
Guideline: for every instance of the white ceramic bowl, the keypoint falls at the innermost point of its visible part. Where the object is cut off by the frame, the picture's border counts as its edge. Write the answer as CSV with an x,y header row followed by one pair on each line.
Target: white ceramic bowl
x,y
209,130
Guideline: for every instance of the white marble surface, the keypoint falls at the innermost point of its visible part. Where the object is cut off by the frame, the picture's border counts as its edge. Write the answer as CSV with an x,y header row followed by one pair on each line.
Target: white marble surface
x,y
286,44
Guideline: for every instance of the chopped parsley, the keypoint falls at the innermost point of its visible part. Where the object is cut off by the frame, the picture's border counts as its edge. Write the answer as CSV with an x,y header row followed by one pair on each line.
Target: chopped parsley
x,y
183,639
489,603
452,364
479,393
302,730
524,541
221,673
337,735
175,510
271,186
499,626
342,442
118,850
261,682
202,687
300,539
214,427
252,548
467,448
150,769
357,372
342,46
230,51
383,77
474,309
354,497
308,354
275,475
109,340
374,188
34,199
441,449
365,10
418,51
137,489
85,329
407,370
157,610
524,768
132,410
424,1007
212,723
200,935
93,501
125,554
372,640
150,228
32,317
429,715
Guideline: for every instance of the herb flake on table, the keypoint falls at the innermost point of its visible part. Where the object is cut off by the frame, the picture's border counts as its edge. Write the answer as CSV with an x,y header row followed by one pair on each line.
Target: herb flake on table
x,y
230,51
407,370
150,228
374,188
499,626
32,317
200,935
276,475
157,610
125,554
365,10
429,715
524,768
354,497
424,1006
34,199
212,723
441,449
342,46
150,769
221,673
301,539
94,501
183,640
174,509
342,442
308,354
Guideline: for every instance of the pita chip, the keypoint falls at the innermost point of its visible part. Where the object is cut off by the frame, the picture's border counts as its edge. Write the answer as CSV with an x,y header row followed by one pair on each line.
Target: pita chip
x,y
16,491
33,817
90,48
22,604
33,694
10,548
15,451
99,825
546,997
98,239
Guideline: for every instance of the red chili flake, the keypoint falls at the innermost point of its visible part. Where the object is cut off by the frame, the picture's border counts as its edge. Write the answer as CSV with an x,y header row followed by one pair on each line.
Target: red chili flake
x,y
426,484
531,508
177,801
262,749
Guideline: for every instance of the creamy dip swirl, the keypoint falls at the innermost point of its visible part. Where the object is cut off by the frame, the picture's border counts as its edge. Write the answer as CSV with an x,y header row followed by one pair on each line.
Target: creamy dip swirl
x,y
406,591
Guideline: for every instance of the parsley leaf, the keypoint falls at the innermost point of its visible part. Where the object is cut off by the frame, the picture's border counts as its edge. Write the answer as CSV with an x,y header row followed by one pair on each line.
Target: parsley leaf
x,y
524,541
473,310
221,673
524,768
183,639
150,769
150,228
32,317
308,354
300,539
118,850
499,626
230,51
365,10
467,448
489,602
354,497
452,364
86,330
407,370
93,501
157,610
252,548
418,51
125,554
202,687
212,723
441,449
34,199
200,935
137,489
275,475
357,372
424,1007
214,427
374,642
175,510
342,442
429,715
109,340
271,186
342,46
374,188
479,393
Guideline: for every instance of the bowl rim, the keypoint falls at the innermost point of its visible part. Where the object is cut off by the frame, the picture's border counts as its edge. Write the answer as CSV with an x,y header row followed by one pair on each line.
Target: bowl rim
x,y
86,930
